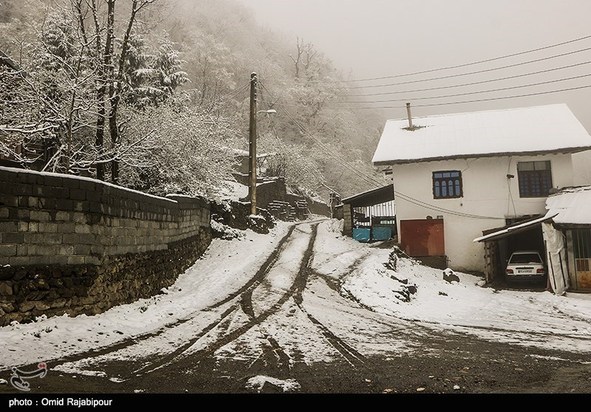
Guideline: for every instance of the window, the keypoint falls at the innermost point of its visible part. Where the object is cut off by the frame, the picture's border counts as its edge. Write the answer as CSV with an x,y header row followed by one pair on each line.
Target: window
x,y
535,178
582,243
447,184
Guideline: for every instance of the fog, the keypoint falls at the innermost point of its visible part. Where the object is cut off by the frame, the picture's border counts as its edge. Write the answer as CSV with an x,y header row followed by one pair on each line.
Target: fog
x,y
385,38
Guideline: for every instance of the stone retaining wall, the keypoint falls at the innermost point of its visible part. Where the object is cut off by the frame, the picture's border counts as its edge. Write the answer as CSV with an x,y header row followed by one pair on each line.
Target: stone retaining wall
x,y
78,245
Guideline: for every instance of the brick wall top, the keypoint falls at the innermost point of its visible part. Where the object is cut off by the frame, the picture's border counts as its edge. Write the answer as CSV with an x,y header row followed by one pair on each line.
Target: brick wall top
x,y
70,192
189,202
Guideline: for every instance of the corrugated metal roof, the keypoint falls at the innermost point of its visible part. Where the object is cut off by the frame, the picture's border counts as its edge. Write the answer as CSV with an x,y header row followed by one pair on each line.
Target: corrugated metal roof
x,y
529,130
572,205
371,197
514,229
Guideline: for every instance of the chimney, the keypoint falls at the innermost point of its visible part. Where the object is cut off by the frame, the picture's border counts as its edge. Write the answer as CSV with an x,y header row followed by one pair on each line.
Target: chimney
x,y
410,126
409,115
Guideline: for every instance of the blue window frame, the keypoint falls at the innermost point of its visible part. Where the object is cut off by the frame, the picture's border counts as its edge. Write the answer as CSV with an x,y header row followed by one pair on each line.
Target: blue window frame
x,y
447,184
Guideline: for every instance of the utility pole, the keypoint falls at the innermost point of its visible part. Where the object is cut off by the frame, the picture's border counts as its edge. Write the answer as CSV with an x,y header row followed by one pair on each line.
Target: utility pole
x,y
252,146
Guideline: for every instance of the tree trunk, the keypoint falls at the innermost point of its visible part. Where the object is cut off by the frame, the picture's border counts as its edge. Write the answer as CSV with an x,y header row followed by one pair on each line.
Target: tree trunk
x,y
106,73
115,89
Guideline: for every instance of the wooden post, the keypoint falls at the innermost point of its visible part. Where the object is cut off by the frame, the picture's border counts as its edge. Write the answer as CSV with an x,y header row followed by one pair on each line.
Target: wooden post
x,y
252,155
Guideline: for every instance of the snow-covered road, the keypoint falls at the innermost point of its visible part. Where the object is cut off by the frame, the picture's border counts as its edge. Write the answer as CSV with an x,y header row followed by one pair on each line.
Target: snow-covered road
x,y
301,295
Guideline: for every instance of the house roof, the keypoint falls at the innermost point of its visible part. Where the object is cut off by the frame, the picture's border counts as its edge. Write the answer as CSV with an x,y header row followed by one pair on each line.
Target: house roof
x,y
529,130
371,197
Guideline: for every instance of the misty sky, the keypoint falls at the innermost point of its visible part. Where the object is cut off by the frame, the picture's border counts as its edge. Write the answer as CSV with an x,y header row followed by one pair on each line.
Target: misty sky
x,y
376,38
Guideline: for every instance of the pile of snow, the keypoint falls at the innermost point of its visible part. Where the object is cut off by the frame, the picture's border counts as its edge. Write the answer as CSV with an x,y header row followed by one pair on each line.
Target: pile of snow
x,y
260,383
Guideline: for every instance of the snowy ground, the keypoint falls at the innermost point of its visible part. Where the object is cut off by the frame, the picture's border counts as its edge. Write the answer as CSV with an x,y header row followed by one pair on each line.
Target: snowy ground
x,y
538,319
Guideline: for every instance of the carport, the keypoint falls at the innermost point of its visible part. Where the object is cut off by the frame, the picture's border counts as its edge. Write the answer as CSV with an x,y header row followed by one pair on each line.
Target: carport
x,y
499,243
370,215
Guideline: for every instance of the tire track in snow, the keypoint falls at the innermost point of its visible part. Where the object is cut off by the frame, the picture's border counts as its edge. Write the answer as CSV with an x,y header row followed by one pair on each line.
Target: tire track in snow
x,y
244,304
128,342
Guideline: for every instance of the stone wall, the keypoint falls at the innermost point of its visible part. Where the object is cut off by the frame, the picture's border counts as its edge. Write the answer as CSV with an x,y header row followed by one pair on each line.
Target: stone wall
x,y
276,190
77,245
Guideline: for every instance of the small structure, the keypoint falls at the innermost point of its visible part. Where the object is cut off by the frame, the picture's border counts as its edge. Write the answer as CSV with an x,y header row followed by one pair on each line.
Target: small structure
x,y
370,215
566,229
459,175
242,162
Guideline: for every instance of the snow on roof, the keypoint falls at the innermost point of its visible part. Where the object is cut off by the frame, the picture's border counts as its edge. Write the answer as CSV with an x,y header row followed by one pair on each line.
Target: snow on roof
x,y
246,153
517,228
571,206
529,130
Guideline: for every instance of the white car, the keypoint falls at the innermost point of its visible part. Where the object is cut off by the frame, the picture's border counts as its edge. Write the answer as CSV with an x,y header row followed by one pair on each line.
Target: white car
x,y
525,265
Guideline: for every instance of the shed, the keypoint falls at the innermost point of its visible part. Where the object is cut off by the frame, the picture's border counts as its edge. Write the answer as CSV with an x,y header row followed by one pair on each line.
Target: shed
x,y
370,215
566,229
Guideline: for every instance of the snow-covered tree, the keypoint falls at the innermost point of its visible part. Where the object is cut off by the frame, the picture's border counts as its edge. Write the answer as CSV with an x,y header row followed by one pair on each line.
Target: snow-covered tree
x,y
151,78
175,147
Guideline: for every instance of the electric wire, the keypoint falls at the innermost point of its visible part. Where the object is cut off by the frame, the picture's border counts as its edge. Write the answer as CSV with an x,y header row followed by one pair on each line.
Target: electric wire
x,y
370,179
458,66
478,100
472,83
488,70
470,93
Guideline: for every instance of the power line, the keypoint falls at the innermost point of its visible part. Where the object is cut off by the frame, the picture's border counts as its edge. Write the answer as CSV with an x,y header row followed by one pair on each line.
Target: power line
x,y
457,66
236,92
477,100
472,83
470,93
370,179
441,209
365,177
476,71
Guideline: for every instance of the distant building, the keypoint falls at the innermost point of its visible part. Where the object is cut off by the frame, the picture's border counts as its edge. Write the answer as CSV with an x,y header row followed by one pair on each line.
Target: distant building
x,y
370,215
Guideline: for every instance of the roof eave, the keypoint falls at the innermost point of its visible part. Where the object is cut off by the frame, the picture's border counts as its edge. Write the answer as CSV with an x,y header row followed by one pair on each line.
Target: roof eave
x,y
566,150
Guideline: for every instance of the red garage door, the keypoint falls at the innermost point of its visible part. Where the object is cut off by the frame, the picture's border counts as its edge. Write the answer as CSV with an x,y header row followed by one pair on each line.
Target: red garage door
x,y
422,237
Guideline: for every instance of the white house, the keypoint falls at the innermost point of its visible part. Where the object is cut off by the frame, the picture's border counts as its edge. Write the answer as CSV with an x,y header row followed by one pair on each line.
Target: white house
x,y
459,175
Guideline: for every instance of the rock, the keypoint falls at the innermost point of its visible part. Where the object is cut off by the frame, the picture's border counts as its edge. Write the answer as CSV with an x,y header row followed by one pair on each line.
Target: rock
x,y
449,276
27,306
58,303
5,288
392,261
269,387
39,305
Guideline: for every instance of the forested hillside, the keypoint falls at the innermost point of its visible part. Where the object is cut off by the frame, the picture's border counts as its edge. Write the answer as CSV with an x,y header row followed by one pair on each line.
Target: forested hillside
x,y
154,95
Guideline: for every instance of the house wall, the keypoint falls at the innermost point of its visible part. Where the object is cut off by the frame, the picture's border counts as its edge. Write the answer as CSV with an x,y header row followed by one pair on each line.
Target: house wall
x,y
487,192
